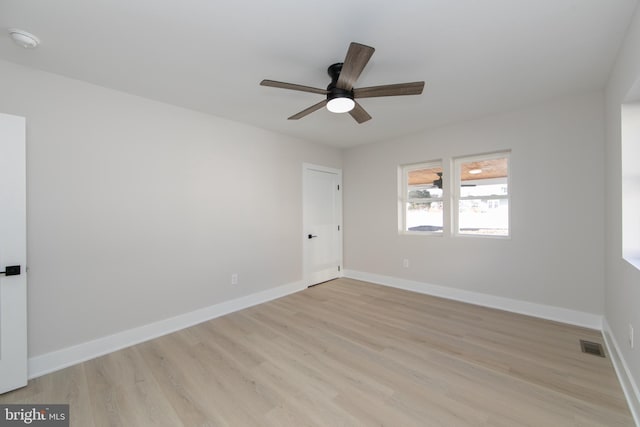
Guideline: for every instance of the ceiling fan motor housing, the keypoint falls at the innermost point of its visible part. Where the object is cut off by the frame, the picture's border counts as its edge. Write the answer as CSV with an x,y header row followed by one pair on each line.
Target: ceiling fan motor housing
x,y
336,92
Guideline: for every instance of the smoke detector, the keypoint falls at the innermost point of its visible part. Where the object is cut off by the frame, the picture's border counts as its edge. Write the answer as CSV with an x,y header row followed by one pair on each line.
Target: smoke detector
x,y
23,38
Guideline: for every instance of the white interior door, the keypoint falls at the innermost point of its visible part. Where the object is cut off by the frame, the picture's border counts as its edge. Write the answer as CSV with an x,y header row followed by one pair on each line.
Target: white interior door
x,y
322,223
13,253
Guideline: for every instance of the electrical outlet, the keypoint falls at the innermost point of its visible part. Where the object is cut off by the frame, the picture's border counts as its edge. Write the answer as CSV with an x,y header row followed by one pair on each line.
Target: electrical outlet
x,y
234,279
405,263
630,335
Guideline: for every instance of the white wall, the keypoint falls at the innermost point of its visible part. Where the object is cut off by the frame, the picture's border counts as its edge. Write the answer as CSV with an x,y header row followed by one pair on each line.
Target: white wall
x,y
622,291
555,255
139,211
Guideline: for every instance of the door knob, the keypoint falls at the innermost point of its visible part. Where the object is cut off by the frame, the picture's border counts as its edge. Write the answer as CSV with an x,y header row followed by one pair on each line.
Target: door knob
x,y
311,236
11,270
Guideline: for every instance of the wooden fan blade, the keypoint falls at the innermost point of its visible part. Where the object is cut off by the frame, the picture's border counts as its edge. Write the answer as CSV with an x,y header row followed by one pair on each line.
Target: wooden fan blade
x,y
309,110
359,114
292,86
357,58
414,88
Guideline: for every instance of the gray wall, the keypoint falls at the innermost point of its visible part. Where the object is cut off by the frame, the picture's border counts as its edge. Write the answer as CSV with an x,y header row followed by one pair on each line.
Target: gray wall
x,y
622,290
555,255
139,211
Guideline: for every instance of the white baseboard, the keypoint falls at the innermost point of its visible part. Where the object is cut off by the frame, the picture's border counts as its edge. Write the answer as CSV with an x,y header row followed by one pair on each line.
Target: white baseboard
x,y
59,359
559,314
629,386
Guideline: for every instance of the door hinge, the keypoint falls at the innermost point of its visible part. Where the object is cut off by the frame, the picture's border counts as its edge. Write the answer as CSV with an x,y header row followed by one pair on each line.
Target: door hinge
x,y
338,187
338,268
338,228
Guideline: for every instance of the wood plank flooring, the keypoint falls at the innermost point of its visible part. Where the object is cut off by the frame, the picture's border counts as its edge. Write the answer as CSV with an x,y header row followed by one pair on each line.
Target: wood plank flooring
x,y
347,353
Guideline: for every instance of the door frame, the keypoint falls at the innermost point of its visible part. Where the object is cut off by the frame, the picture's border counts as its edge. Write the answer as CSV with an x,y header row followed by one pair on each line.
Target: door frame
x,y
305,269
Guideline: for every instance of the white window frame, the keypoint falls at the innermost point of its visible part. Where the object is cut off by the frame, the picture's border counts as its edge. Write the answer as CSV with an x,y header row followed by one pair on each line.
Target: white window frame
x,y
403,197
630,184
456,198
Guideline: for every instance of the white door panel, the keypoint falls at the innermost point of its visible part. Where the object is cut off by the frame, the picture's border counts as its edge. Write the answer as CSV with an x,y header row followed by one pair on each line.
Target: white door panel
x,y
13,252
322,216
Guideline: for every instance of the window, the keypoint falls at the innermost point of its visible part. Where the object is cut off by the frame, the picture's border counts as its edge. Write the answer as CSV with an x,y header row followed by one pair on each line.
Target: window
x,y
481,196
421,198
631,183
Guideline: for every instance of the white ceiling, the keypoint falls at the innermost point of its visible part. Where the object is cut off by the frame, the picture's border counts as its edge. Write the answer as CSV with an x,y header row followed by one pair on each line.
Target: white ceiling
x,y
477,57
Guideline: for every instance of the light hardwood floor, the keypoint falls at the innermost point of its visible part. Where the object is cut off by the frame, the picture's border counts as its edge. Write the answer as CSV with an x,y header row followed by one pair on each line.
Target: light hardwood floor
x,y
347,353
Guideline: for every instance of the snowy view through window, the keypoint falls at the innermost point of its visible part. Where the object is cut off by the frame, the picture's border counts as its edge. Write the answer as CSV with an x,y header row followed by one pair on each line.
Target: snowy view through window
x,y
488,216
423,206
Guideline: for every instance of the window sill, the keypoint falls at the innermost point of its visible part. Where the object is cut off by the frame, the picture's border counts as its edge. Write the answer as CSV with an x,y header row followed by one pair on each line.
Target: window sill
x,y
482,236
634,261
421,233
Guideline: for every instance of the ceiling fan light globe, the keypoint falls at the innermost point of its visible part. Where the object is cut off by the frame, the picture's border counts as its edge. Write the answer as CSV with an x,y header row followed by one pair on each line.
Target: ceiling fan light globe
x,y
341,105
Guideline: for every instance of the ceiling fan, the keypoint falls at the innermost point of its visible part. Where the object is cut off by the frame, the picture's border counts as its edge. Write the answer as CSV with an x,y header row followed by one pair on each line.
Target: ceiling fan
x,y
438,182
341,95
